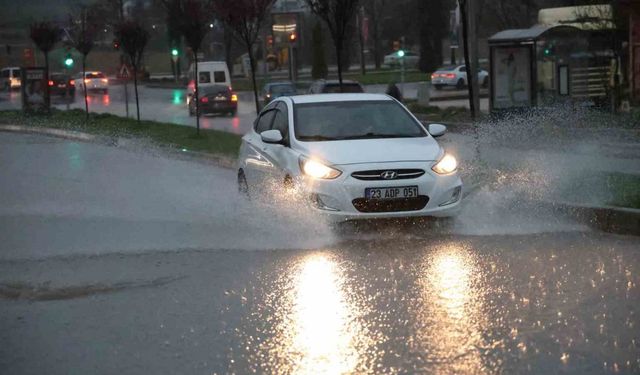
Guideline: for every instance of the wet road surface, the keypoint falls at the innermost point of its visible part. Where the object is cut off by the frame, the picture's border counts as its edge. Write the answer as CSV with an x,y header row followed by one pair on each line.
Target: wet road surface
x,y
131,261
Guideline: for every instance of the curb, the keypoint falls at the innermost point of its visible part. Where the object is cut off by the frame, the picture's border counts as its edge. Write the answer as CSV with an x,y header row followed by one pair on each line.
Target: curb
x,y
121,142
620,220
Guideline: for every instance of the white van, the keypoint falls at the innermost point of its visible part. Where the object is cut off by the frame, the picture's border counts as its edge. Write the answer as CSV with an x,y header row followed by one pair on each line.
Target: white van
x,y
210,73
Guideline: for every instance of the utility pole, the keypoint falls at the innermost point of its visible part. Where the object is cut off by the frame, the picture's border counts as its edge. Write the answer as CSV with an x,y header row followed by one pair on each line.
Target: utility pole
x,y
472,71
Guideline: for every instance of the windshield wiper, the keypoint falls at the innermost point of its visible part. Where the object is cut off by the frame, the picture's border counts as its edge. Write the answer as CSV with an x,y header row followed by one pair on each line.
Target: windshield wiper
x,y
376,135
316,138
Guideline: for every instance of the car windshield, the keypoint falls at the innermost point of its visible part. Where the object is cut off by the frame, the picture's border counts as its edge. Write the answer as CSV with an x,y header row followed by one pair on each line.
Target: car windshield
x,y
95,75
335,121
283,88
214,90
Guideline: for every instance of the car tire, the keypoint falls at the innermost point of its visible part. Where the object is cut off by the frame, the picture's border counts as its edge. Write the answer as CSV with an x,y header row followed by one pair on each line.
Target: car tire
x,y
233,113
438,87
460,84
485,82
243,186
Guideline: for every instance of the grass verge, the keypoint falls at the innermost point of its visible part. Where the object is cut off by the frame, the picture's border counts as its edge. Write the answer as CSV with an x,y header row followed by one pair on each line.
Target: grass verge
x,y
625,189
165,134
433,113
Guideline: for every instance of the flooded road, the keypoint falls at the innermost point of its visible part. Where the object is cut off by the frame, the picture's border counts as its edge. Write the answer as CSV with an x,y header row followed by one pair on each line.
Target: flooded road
x,y
131,261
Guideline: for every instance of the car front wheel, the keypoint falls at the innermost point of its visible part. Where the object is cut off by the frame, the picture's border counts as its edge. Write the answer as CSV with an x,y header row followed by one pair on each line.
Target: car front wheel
x,y
243,186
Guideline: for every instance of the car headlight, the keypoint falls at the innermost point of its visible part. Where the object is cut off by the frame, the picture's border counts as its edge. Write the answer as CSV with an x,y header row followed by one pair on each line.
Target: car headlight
x,y
316,169
446,165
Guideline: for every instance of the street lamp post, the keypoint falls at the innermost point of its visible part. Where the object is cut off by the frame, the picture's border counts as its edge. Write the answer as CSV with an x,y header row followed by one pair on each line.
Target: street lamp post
x,y
401,56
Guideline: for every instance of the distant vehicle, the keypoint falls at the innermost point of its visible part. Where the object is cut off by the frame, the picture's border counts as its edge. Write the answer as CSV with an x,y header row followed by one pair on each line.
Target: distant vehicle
x,y
210,73
350,156
456,76
274,90
410,60
215,99
93,81
10,78
61,84
323,86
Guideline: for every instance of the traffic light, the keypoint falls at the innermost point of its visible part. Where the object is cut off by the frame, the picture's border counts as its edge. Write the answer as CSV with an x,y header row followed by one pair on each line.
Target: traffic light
x,y
174,52
116,44
270,40
400,53
68,61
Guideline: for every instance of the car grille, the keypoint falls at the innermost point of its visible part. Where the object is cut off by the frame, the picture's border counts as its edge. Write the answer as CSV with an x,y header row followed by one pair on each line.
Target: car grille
x,y
374,175
390,205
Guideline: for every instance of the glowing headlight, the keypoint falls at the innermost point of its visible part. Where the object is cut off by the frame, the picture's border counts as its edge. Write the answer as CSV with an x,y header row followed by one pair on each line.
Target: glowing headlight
x,y
316,169
448,164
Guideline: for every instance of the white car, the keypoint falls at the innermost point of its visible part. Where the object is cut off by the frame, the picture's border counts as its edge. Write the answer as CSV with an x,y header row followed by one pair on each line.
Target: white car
x,y
410,59
456,76
350,156
93,81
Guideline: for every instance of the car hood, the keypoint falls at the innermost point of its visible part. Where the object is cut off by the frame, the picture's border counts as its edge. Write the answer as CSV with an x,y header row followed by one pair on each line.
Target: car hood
x,y
373,150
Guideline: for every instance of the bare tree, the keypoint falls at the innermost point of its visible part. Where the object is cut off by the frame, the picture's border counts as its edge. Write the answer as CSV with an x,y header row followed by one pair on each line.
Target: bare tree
x,y
245,18
196,16
174,21
133,39
45,35
337,14
83,30
375,9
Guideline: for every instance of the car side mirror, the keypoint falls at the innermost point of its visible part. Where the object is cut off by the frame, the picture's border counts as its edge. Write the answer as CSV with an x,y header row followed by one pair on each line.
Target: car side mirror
x,y
271,136
436,130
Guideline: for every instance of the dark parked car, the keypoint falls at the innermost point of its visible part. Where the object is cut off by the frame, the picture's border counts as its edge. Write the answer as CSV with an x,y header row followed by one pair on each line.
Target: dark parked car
x,y
215,99
324,86
61,85
277,89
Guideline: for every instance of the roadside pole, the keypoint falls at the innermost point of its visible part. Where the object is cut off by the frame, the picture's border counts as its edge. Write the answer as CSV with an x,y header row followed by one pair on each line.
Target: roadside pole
x,y
402,68
472,71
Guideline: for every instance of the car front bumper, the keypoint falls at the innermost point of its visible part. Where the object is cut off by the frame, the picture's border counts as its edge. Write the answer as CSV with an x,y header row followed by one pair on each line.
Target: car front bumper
x,y
444,81
344,197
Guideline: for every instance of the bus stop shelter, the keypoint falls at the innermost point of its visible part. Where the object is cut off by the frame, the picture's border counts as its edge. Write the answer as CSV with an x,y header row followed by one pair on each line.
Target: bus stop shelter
x,y
545,64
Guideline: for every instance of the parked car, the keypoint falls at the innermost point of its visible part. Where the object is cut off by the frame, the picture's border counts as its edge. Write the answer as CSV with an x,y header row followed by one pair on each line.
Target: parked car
x,y
215,99
456,76
275,90
61,84
93,81
210,73
410,59
10,78
350,156
323,86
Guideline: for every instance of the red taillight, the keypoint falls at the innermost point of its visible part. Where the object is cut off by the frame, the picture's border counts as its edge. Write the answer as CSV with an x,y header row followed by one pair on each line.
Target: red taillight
x,y
434,75
50,83
72,83
204,99
104,80
87,80
234,97
450,75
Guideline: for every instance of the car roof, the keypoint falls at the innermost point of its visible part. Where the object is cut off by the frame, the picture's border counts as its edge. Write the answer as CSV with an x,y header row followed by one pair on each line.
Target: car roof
x,y
326,98
337,82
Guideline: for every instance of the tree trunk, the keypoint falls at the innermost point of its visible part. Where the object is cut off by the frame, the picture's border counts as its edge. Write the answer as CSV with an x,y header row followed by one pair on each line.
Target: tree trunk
x,y
47,89
339,63
377,46
84,86
253,78
195,93
135,88
467,63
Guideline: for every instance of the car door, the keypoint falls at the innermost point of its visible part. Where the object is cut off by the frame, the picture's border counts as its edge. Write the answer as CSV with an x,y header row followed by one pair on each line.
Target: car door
x,y
257,164
281,156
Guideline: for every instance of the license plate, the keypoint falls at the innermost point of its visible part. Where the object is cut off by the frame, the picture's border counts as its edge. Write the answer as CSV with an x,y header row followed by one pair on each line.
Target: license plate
x,y
220,98
399,192
62,85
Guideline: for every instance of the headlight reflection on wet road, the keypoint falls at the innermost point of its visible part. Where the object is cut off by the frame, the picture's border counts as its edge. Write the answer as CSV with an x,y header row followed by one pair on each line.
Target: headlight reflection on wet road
x,y
449,319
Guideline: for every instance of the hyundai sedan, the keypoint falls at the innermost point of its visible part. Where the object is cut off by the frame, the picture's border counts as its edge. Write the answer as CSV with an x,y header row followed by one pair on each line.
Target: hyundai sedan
x,y
350,156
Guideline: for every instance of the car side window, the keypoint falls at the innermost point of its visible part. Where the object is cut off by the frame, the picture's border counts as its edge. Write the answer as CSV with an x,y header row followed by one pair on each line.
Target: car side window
x,y
463,69
264,121
281,121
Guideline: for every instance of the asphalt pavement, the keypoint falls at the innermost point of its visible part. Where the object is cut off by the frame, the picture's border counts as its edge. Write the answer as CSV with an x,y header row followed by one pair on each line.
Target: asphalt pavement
x,y
133,261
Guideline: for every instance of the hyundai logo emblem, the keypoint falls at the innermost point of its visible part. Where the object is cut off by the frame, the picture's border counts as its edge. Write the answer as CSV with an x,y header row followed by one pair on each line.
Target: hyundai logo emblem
x,y
388,175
